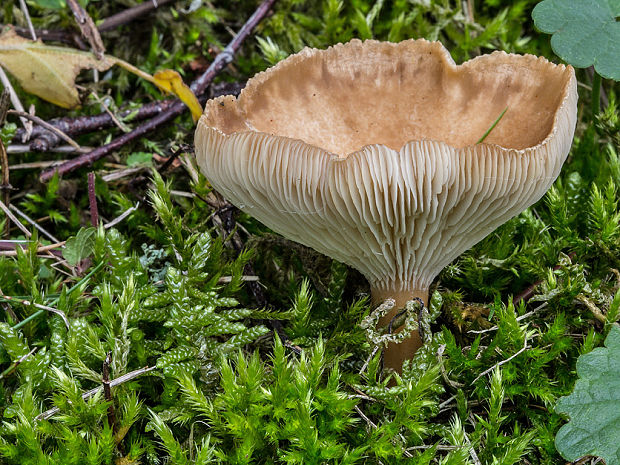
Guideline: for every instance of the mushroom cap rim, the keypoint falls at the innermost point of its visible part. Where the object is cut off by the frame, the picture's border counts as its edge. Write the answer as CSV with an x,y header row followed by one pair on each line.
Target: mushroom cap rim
x,y
257,79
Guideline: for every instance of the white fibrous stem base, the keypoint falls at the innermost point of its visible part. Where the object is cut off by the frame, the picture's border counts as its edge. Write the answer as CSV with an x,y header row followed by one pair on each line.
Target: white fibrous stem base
x,y
395,354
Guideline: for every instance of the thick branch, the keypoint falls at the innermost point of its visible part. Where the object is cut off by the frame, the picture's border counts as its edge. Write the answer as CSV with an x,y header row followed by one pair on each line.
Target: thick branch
x,y
109,23
43,140
177,108
130,14
69,38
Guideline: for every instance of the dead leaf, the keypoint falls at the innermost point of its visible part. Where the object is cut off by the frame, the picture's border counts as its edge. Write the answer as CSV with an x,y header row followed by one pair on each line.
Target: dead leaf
x,y
172,81
45,70
49,71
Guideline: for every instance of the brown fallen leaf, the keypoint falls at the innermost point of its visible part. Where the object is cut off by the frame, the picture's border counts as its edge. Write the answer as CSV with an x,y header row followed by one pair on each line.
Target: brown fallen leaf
x,y
49,72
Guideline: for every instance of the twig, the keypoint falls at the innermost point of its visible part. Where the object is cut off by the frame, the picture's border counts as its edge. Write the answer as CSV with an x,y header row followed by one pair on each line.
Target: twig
x,y
121,217
122,173
88,394
15,221
470,10
87,28
46,125
92,200
437,447
107,24
43,140
472,452
4,159
122,126
528,292
489,370
44,248
130,14
406,453
183,148
55,301
228,279
365,418
370,357
593,308
519,318
33,223
17,362
60,313
22,148
17,104
177,108
49,35
24,8
107,392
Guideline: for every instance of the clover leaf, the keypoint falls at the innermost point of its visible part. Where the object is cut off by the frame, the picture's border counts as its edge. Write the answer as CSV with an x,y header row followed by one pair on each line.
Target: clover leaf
x,y
585,32
594,406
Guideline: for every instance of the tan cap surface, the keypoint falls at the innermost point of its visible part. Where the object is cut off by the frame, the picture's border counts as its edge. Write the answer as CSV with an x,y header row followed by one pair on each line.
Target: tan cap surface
x,y
367,151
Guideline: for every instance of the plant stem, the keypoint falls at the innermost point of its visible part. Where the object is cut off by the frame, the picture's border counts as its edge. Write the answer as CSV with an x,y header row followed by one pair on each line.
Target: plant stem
x,y
92,200
596,93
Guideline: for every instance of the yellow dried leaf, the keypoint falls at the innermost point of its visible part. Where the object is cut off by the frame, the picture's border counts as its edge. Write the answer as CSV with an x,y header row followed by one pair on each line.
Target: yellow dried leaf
x,y
169,81
47,71
172,81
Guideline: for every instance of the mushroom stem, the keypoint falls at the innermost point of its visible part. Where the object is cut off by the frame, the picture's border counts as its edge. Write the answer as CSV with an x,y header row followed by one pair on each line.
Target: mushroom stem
x,y
395,354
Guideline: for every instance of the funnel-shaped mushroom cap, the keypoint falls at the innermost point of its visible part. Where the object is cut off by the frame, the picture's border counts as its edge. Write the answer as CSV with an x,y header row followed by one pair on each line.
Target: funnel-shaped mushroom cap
x,y
367,151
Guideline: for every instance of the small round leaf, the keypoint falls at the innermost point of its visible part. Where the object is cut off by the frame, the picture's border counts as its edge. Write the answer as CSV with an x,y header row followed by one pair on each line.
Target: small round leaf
x,y
594,406
585,32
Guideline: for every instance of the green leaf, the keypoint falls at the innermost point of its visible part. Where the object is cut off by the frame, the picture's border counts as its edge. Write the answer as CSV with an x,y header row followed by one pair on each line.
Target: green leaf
x,y
585,33
139,158
594,406
80,246
53,4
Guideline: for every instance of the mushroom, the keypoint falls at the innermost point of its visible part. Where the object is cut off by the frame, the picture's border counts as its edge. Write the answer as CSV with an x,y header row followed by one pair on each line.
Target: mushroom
x,y
368,152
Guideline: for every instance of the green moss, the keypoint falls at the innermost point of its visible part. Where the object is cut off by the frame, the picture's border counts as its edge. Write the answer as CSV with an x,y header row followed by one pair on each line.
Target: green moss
x,y
297,381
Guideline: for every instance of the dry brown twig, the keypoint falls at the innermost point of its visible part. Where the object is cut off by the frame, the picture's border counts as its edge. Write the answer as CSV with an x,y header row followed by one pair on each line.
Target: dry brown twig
x,y
107,391
5,187
24,148
177,108
12,217
88,394
17,104
18,362
46,125
92,200
130,14
47,308
43,140
24,8
41,249
87,28
41,229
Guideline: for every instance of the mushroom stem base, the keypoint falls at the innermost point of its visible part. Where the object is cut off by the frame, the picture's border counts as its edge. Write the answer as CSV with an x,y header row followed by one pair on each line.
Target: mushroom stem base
x,y
395,354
